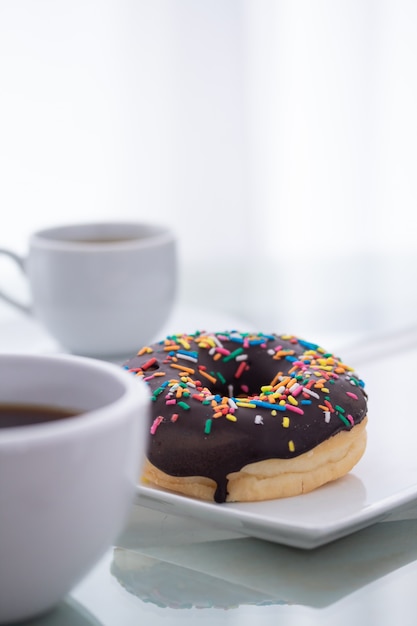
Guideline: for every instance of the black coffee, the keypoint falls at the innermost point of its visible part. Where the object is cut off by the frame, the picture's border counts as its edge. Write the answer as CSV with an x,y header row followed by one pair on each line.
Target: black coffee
x,y
12,415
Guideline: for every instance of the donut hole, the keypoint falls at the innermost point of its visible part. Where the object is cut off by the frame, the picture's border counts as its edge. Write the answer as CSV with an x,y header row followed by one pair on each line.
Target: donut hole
x,y
237,378
243,390
241,384
249,383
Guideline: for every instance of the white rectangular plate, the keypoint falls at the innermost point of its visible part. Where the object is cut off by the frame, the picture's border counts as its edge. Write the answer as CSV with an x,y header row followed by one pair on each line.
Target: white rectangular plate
x,y
384,481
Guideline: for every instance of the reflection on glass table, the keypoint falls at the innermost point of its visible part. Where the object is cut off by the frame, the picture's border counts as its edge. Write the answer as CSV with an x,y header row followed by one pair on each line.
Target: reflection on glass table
x,y
226,573
166,569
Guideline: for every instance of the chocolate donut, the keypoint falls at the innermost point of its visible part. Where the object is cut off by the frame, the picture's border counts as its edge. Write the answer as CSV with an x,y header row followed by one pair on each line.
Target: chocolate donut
x,y
249,416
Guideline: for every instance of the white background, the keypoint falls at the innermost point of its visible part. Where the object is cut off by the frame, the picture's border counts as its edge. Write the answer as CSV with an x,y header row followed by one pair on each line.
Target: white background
x,y
278,138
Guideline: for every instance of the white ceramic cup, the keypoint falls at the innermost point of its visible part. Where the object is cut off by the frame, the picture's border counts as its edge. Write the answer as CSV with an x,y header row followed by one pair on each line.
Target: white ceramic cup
x,y
100,289
66,487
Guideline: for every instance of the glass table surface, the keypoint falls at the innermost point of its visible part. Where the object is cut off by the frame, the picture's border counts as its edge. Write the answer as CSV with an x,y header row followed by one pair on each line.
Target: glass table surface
x,y
168,569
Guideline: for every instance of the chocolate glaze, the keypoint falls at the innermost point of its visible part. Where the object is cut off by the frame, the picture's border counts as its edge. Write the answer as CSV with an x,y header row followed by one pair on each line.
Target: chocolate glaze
x,y
207,441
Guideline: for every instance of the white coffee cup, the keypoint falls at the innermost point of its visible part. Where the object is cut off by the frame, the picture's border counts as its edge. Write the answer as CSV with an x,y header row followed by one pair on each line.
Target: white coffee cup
x,y
100,289
66,486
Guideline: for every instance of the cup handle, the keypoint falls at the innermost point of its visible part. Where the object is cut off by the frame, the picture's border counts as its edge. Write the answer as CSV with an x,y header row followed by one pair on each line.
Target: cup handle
x,y
21,264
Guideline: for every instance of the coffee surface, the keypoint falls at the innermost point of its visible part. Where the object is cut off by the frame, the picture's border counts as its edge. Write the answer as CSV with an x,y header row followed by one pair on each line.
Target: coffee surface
x,y
12,415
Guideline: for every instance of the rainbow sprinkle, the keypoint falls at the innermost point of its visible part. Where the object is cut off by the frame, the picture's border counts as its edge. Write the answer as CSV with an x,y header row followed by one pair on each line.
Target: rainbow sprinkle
x,y
312,372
